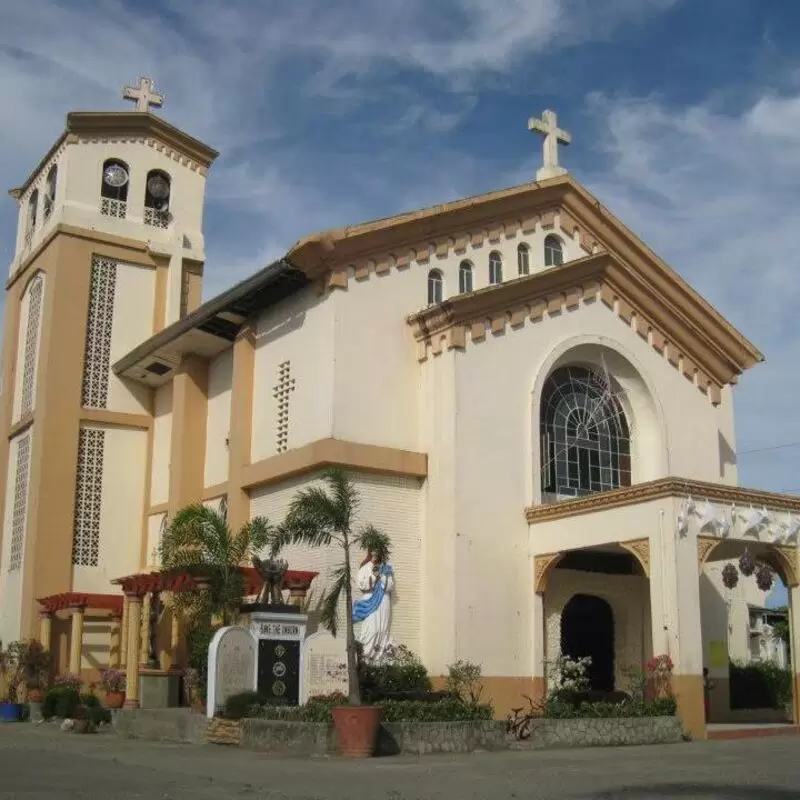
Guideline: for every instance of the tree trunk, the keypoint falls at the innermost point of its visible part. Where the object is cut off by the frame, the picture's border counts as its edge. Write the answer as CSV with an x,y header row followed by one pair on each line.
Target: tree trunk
x,y
352,664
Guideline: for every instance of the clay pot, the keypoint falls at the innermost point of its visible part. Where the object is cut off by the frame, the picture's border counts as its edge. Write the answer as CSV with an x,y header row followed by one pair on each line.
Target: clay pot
x,y
115,699
356,729
35,694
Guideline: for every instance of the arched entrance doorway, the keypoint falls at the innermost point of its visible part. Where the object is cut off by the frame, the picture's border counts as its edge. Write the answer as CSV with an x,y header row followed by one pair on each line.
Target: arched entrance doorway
x,y
587,629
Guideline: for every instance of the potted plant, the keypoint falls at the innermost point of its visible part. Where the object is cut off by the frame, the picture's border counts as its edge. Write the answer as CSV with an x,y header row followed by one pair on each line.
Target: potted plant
x,y
191,685
113,683
33,662
320,518
10,678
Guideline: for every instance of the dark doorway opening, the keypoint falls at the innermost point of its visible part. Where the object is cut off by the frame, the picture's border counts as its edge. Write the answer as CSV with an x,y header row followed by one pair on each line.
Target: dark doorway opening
x,y
587,629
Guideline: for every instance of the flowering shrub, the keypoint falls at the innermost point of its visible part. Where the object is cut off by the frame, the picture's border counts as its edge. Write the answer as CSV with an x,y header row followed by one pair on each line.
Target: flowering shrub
x,y
660,665
69,681
112,680
567,675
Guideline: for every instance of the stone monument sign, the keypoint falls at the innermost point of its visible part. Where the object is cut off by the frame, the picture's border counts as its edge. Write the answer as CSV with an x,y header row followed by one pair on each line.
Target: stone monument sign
x,y
231,666
280,634
324,666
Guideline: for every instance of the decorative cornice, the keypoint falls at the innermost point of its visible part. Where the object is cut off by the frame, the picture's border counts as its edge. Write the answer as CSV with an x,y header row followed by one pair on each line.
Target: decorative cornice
x,y
705,544
661,489
558,290
640,550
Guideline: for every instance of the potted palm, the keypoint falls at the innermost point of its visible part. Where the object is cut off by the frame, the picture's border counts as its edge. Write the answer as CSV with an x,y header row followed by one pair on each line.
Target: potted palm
x,y
10,678
33,662
324,517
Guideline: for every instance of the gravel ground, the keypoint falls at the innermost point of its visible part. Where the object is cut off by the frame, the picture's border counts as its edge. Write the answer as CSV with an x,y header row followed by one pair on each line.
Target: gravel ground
x,y
38,762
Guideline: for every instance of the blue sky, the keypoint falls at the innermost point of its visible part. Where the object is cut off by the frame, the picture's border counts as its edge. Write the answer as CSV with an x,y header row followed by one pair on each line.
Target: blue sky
x,y
685,118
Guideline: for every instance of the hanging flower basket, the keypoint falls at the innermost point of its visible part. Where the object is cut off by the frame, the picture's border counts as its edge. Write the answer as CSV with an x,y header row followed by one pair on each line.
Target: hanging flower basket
x,y
730,576
764,577
747,563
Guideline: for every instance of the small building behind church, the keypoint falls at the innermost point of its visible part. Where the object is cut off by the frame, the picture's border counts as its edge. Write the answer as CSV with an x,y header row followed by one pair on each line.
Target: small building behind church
x,y
533,405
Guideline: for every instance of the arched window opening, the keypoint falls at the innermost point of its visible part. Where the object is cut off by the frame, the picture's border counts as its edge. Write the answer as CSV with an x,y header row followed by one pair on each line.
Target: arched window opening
x,y
50,191
32,304
114,189
523,259
495,267
157,195
435,287
553,252
465,277
33,209
585,439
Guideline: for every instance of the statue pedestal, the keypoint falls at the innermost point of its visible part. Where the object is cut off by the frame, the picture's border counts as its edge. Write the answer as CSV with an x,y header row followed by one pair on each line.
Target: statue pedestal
x,y
279,632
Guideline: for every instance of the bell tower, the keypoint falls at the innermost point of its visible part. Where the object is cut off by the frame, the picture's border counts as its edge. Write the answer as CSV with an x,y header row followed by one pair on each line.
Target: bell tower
x,y
109,252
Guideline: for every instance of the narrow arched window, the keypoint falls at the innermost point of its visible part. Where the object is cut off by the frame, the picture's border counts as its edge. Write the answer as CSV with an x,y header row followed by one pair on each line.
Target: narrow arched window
x,y
157,195
465,277
435,287
114,189
523,259
50,191
585,439
495,267
30,222
31,313
553,253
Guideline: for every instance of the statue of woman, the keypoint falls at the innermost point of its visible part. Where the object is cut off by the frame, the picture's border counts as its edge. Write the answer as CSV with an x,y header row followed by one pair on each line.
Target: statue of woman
x,y
374,610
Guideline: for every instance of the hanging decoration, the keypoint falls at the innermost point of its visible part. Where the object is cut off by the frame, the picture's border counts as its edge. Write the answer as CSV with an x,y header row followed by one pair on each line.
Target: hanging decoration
x,y
730,576
747,563
764,577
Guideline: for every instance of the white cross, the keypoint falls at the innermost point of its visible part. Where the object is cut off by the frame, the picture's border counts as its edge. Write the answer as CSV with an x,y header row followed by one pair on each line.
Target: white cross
x,y
547,126
143,95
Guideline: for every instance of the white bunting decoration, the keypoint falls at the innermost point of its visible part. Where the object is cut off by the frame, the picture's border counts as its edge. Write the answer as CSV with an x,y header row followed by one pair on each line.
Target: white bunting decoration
x,y
754,520
708,516
790,529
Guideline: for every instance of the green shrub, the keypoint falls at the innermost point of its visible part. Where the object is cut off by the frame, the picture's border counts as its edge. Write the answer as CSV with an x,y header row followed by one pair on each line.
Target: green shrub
x,y
60,701
241,704
464,681
760,685
402,672
199,638
556,707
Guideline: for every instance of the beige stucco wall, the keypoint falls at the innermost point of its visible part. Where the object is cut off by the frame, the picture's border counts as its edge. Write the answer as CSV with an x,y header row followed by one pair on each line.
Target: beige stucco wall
x,y
162,440
220,373
391,504
629,598
300,330
134,296
120,514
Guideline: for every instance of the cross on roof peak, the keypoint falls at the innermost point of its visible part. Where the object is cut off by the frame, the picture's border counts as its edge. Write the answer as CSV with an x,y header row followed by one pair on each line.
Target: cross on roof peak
x,y
547,126
143,94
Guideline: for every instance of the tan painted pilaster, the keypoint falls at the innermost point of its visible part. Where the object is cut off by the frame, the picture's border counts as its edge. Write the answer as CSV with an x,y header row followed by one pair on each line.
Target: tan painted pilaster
x,y
76,641
45,629
144,630
134,640
123,635
241,426
188,445
115,642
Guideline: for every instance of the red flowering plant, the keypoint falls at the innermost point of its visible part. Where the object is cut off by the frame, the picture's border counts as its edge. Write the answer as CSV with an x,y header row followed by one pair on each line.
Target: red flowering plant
x,y
659,673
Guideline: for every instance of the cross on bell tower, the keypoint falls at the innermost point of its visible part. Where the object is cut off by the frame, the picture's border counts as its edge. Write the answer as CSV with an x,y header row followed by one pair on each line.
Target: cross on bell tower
x,y
144,95
547,126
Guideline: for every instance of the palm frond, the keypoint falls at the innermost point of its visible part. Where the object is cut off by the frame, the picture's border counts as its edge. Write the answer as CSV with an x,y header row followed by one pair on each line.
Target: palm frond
x,y
251,538
344,495
374,541
330,607
196,535
312,519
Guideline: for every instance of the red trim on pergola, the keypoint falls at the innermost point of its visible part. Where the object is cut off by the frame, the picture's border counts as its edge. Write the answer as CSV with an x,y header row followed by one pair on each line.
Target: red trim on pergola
x,y
184,580
96,602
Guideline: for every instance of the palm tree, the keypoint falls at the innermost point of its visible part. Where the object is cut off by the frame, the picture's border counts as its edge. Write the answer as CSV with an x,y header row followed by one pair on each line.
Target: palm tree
x,y
321,517
199,540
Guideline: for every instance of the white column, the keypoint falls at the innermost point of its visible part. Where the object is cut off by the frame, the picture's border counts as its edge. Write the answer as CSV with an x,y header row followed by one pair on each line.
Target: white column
x,y
538,632
794,642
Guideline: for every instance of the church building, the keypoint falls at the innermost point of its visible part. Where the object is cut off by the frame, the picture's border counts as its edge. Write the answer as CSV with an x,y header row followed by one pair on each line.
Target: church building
x,y
533,405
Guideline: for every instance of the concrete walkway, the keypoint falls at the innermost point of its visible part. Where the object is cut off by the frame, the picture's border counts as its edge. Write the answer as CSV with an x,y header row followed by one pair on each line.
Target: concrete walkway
x,y
38,763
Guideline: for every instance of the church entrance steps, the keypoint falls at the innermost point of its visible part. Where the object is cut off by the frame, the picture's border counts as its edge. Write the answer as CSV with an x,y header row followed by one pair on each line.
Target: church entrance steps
x,y
751,731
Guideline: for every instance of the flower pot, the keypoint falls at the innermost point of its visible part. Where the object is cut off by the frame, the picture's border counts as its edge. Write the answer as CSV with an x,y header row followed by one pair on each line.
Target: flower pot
x,y
10,712
115,699
35,694
356,729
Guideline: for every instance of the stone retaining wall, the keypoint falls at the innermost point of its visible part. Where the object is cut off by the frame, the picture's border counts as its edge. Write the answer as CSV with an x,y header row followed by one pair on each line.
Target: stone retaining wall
x,y
306,739
598,732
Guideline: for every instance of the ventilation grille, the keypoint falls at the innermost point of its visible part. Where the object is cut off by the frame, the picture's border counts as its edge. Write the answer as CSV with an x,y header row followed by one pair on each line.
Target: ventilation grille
x,y
19,513
88,497
281,393
31,344
97,356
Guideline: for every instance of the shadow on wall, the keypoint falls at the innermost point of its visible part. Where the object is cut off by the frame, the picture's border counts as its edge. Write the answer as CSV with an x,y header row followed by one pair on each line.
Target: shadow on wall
x,y
727,456
696,791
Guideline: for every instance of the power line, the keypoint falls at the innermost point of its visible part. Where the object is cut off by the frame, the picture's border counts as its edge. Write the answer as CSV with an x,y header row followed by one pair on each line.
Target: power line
x,y
765,449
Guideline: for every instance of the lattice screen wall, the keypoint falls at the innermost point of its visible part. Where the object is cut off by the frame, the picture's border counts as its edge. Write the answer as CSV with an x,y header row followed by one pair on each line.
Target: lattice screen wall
x,y
282,392
99,325
19,512
29,359
88,497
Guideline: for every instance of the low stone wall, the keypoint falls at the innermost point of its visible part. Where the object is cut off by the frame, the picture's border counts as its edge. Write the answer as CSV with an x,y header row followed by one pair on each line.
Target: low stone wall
x,y
599,732
288,738
160,725
420,738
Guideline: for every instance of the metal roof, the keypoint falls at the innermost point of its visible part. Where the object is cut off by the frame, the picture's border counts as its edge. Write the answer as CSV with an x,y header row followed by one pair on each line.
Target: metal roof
x,y
212,327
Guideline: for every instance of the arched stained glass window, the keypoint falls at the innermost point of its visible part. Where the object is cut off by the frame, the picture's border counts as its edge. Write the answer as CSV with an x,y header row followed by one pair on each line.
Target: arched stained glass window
x,y
585,438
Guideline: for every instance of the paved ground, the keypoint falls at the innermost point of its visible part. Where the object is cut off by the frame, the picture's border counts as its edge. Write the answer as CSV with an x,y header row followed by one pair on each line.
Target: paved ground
x,y
39,764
